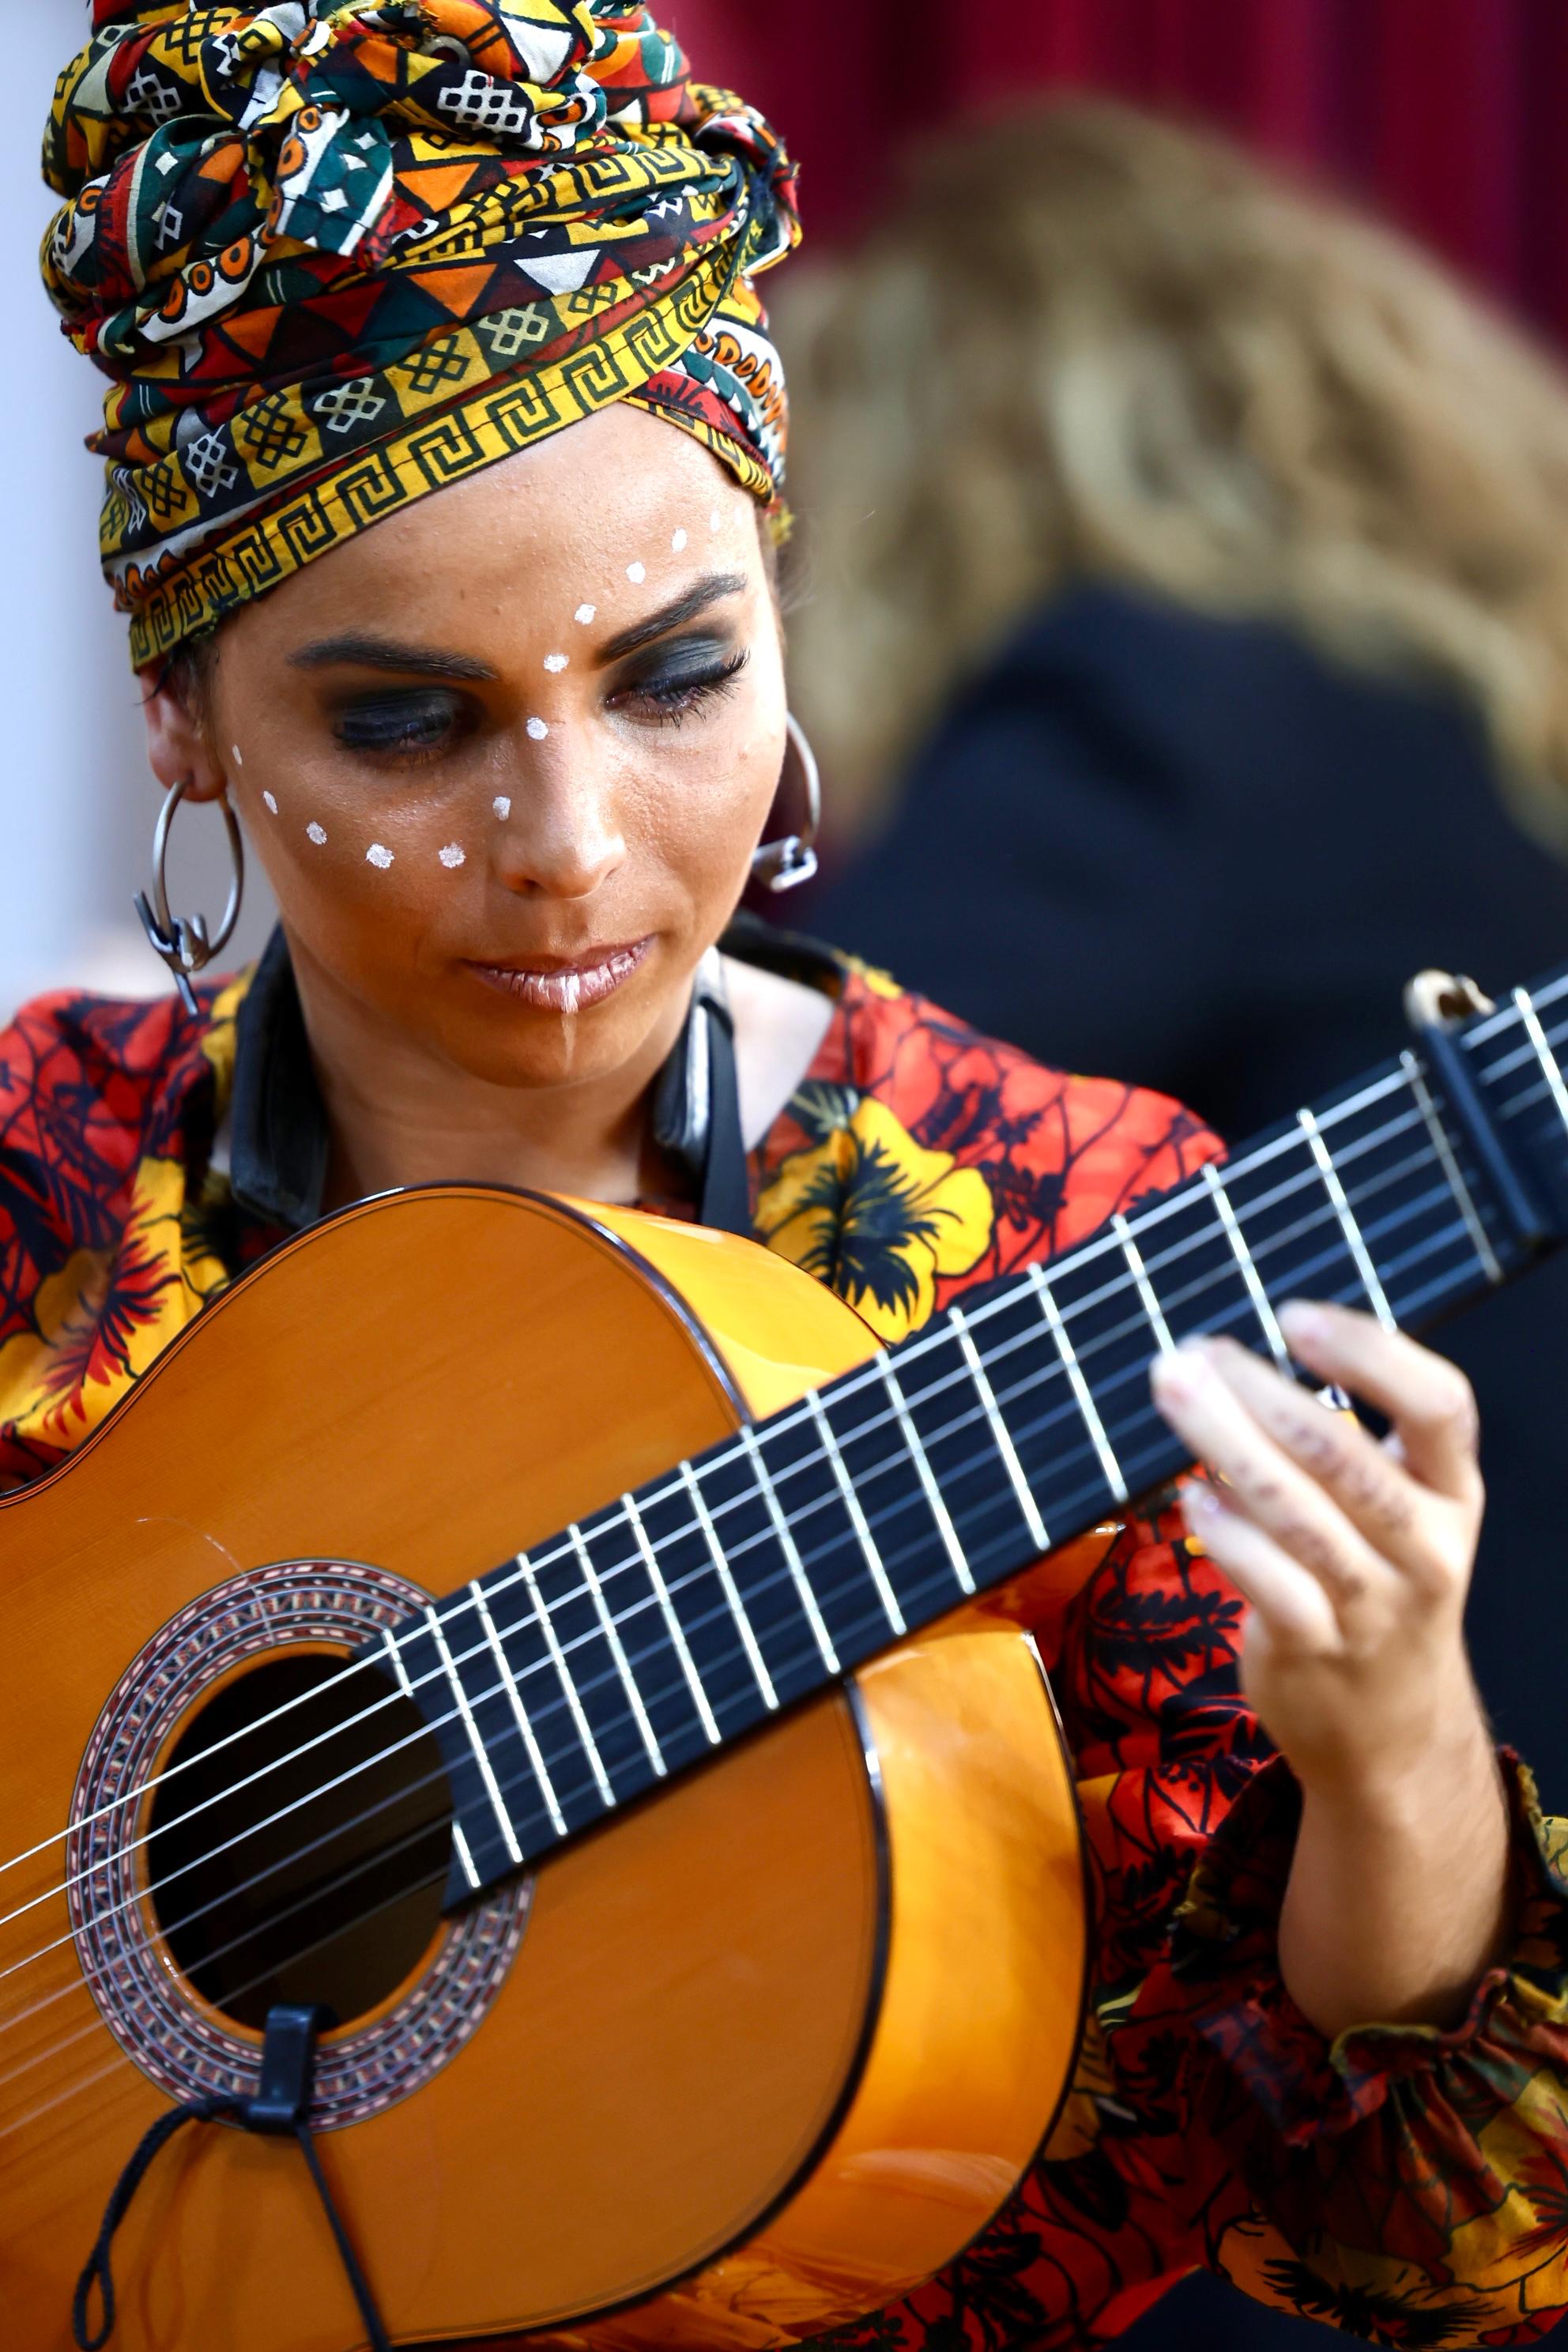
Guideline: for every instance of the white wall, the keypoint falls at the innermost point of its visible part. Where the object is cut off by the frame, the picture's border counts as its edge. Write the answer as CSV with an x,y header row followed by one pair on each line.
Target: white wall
x,y
77,804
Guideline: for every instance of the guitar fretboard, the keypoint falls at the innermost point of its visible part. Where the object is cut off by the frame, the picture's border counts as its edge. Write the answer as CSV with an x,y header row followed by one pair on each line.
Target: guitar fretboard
x,y
569,1681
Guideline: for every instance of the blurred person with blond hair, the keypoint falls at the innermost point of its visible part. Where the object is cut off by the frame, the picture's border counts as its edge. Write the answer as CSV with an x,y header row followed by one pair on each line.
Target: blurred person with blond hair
x,y
1186,637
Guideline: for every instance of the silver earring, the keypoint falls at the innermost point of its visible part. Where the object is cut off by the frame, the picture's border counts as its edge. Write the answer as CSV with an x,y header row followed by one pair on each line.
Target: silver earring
x,y
182,941
784,864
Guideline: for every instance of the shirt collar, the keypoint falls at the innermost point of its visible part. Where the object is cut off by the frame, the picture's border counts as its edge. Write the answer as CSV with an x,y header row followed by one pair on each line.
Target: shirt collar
x,y
277,1122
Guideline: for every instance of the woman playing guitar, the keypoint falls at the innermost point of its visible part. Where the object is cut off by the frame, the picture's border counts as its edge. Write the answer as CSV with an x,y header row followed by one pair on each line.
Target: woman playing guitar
x,y
507,754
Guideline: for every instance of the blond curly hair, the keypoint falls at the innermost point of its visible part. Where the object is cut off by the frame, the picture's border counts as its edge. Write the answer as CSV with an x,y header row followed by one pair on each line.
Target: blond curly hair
x,y
1090,343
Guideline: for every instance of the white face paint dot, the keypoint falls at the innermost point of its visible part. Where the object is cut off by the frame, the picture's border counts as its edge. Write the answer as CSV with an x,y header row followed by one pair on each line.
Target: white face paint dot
x,y
315,832
584,613
538,729
556,661
271,803
233,755
637,574
451,855
376,855
679,542
503,808
715,519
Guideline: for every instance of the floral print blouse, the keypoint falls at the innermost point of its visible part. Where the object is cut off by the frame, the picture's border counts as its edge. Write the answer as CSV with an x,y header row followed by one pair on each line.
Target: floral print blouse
x,y
1407,2185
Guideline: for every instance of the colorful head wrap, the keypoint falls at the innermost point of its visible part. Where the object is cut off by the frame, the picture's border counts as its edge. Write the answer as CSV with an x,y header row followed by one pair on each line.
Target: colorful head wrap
x,y
335,256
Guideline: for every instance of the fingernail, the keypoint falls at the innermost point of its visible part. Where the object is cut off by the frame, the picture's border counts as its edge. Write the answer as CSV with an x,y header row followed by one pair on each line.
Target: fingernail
x,y
1180,1373
1302,1318
1200,1502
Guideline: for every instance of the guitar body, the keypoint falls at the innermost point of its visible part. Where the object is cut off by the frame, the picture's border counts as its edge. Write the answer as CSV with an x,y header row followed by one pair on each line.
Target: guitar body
x,y
754,2058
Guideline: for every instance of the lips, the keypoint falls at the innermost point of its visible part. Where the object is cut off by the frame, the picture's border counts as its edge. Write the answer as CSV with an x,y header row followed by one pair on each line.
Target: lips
x,y
566,985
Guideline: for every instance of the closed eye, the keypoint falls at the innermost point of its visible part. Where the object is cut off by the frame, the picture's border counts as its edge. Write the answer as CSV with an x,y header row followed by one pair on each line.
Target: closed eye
x,y
417,723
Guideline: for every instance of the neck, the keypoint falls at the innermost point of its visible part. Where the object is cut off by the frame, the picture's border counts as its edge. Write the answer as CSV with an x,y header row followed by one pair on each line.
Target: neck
x,y
401,1113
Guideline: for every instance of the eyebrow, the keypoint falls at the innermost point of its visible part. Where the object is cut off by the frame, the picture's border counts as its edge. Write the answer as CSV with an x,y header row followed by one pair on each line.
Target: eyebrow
x,y
698,598
366,652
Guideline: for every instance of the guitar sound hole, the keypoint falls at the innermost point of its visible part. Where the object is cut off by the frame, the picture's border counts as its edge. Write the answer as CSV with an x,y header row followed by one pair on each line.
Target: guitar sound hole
x,y
271,1885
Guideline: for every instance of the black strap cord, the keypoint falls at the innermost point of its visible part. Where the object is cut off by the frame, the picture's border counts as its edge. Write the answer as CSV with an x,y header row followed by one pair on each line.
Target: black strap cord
x,y
280,2108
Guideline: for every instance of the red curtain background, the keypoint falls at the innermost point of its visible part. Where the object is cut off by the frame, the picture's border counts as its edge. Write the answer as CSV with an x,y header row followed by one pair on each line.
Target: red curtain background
x,y
1451,115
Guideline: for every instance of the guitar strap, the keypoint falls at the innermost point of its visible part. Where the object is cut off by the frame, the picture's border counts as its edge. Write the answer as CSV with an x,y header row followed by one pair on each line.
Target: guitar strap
x,y
697,1106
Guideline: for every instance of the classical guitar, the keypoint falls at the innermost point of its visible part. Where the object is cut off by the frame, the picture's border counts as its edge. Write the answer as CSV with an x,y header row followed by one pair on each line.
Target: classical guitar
x,y
548,1671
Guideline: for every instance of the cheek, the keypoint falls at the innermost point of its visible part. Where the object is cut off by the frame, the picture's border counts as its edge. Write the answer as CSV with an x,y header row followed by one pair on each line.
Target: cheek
x,y
362,872
702,814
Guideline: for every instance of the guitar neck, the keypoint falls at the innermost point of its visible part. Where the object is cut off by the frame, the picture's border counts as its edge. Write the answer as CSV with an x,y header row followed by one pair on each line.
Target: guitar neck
x,y
571,1680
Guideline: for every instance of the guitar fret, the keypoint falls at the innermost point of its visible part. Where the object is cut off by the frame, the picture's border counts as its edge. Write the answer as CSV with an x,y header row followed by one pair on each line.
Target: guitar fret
x,y
480,1754
1081,1389
1140,1272
1348,1225
519,1713
395,1651
464,1856
858,1518
793,1559
999,1432
672,1622
558,1659
1261,1306
757,1663
1479,1242
623,1663
1543,1053
924,1472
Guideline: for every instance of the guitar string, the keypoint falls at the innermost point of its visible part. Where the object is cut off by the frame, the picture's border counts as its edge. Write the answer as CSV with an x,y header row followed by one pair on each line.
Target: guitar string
x,y
1452,1235
975,1414
273,1968
1449,1238
870,1620
1235,1171
847,1386
1324,1216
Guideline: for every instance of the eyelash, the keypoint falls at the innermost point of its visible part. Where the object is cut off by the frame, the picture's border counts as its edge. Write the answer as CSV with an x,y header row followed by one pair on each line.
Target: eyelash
x,y
387,728
677,700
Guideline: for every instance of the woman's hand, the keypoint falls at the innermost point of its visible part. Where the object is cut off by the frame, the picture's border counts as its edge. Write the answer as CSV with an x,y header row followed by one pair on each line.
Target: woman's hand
x,y
1356,1557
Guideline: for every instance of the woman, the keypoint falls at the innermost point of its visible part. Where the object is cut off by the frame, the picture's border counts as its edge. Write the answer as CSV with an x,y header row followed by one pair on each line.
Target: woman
x,y
508,753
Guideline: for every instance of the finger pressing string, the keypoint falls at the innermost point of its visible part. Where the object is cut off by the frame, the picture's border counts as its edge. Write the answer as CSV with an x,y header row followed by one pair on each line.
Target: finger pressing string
x,y
1428,1400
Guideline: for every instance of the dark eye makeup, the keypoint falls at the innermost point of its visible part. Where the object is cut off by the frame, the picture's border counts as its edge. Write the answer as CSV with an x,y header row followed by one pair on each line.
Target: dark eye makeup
x,y
417,721
669,682
662,684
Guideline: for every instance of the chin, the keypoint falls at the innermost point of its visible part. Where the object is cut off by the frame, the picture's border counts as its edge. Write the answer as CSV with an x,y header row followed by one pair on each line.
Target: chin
x,y
546,1050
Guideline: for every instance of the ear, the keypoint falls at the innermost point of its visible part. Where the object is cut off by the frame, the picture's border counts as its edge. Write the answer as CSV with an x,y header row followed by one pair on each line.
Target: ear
x,y
177,743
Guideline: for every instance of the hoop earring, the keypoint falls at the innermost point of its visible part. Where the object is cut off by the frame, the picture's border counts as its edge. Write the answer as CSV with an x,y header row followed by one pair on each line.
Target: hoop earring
x,y
182,941
784,864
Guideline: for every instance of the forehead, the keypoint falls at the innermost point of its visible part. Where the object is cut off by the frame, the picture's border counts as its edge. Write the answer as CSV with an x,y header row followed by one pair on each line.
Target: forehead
x,y
571,519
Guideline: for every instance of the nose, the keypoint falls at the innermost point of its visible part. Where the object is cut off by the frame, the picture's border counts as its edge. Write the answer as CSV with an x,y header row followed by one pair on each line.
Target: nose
x,y
562,837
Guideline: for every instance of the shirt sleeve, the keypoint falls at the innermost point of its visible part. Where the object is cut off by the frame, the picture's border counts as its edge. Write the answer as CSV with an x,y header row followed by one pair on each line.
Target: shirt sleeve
x,y
1408,2186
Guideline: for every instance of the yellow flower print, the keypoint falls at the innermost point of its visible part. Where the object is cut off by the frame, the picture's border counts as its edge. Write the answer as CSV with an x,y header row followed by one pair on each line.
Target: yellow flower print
x,y
876,1218
100,1320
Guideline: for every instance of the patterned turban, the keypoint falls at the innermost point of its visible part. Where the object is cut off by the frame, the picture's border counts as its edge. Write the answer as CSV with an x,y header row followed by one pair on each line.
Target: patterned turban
x,y
334,256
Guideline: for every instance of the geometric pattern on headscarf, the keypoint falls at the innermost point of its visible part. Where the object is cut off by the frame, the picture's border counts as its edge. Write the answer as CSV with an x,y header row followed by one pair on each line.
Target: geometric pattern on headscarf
x,y
334,258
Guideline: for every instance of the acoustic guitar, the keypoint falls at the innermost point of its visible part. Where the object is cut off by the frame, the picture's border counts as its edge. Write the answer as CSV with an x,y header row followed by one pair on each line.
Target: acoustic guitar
x,y
563,1646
